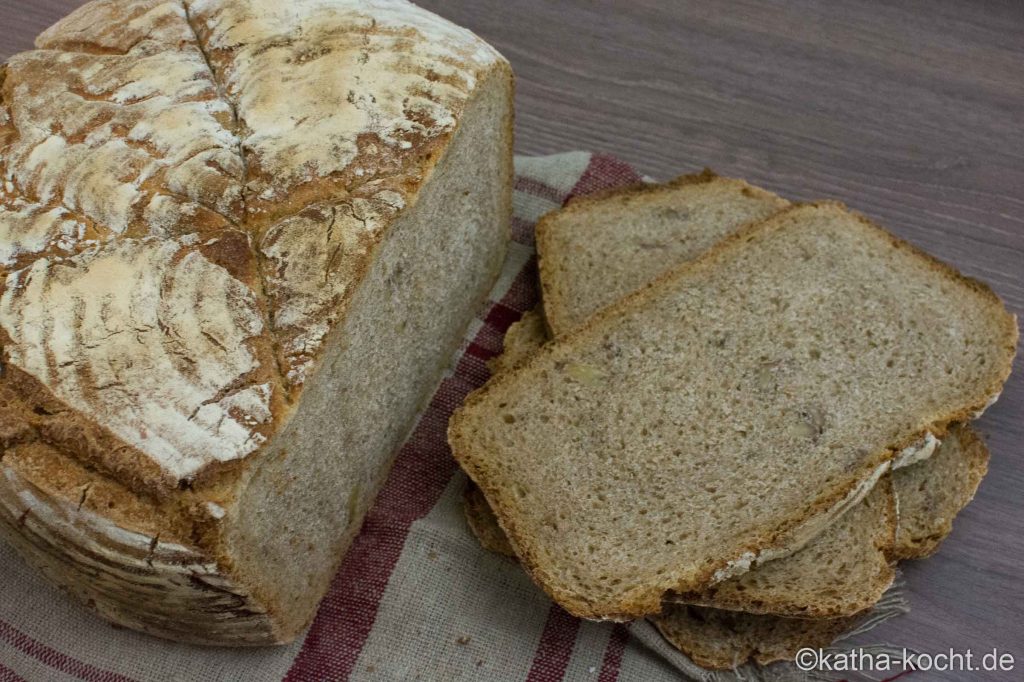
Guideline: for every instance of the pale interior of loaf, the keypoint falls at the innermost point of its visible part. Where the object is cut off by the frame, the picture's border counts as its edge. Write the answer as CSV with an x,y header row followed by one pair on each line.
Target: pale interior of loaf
x,y
669,442
931,493
316,479
598,250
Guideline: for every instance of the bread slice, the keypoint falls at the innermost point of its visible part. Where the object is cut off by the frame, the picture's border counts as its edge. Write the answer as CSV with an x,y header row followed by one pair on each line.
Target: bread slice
x,y
731,411
727,639
522,338
857,548
589,259
713,638
930,494
841,572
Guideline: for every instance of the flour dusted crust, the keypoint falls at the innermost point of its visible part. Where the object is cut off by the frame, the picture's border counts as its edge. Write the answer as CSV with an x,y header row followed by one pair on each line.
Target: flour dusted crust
x,y
382,85
133,144
190,192
143,568
175,131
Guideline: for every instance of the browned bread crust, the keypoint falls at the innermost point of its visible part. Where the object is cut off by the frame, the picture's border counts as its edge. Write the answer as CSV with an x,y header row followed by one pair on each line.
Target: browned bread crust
x,y
179,239
931,493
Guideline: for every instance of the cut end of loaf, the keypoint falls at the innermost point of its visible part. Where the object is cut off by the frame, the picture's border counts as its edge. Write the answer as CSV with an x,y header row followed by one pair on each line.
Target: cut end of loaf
x,y
322,471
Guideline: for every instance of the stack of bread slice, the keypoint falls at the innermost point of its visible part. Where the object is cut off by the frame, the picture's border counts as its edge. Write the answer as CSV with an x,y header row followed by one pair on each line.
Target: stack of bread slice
x,y
733,415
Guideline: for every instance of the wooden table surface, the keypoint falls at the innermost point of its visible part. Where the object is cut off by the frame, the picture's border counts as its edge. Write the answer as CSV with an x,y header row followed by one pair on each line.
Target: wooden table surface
x,y
912,112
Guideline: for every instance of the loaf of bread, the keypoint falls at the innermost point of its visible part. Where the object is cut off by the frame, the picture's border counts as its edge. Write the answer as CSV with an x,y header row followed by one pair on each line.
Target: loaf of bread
x,y
239,242
729,412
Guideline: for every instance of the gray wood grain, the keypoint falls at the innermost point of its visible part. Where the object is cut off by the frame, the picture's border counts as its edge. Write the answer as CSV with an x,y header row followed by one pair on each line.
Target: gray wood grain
x,y
911,112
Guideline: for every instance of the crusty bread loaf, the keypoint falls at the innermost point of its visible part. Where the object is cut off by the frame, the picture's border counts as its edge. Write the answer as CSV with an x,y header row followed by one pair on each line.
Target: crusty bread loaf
x,y
930,494
727,639
224,298
674,416
601,247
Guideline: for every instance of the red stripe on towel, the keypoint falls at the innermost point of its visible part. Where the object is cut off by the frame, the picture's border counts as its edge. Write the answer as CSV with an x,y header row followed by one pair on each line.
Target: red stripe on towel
x,y
54,658
538,189
8,675
613,653
555,647
604,172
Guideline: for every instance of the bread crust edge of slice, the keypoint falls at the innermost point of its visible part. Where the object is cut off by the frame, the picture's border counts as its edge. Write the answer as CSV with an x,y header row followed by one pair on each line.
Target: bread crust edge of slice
x,y
646,601
479,518
826,631
555,302
979,456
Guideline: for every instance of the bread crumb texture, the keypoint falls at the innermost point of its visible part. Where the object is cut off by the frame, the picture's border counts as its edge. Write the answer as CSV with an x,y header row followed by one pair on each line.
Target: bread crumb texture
x,y
738,399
